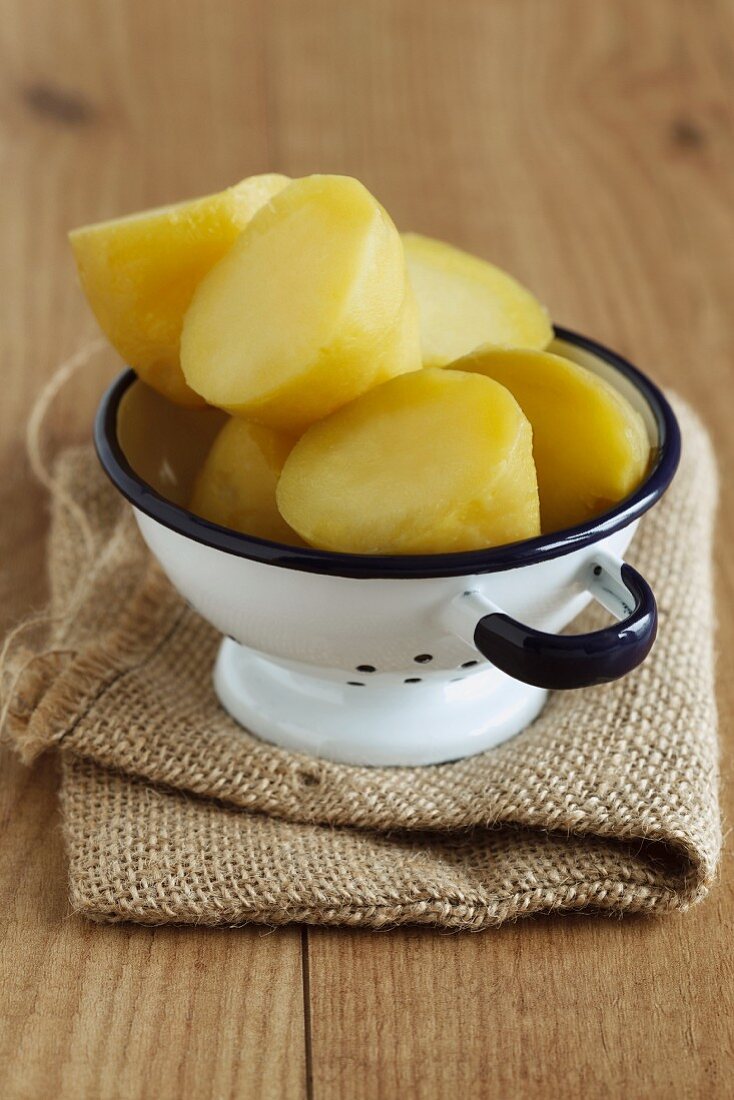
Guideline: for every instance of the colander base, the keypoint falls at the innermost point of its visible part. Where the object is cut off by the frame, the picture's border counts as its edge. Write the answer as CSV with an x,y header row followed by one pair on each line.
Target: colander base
x,y
385,719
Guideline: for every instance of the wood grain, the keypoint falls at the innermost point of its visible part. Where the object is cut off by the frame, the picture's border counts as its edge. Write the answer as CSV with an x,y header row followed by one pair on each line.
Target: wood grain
x,y
106,1012
587,147
107,107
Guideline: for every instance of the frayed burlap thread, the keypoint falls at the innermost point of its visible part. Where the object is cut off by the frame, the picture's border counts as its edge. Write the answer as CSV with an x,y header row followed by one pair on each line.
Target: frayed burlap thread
x,y
608,802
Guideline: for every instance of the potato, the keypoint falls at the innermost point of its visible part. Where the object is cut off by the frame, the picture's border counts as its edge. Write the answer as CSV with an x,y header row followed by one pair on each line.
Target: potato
x,y
431,462
464,302
590,446
310,308
236,485
140,272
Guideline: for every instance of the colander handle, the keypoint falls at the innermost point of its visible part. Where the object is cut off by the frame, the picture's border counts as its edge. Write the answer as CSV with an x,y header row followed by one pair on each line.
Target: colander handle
x,y
578,660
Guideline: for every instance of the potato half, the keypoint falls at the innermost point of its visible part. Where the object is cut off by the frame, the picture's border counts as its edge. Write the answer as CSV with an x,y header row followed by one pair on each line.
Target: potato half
x,y
139,273
464,301
310,308
431,462
590,445
236,485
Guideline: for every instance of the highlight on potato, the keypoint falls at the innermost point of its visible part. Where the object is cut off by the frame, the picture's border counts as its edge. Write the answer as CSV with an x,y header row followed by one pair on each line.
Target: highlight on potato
x,y
388,393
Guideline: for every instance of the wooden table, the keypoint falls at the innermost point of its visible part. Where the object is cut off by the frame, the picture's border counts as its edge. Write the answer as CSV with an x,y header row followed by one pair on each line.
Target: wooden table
x,y
589,148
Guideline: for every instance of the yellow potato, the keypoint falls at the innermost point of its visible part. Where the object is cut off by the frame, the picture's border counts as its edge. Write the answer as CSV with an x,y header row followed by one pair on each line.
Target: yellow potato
x,y
432,462
590,446
236,485
306,312
140,272
464,302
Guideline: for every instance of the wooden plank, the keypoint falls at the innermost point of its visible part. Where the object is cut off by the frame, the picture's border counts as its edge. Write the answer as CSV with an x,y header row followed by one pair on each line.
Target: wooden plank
x,y
588,149
107,108
120,1011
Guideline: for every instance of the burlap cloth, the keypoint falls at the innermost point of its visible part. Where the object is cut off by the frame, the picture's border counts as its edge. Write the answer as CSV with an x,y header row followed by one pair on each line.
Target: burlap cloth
x,y
172,813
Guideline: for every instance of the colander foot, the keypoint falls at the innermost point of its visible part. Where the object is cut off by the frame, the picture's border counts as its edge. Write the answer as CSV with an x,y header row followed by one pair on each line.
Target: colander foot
x,y
378,720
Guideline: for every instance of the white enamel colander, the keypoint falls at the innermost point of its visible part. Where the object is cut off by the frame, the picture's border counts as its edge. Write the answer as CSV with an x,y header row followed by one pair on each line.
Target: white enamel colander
x,y
390,660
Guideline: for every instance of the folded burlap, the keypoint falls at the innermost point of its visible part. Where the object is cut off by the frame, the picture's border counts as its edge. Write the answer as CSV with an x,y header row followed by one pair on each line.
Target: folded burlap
x,y
173,813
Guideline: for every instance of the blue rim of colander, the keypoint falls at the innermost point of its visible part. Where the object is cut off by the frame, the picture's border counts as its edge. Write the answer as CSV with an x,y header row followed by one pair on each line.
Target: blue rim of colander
x,y
403,566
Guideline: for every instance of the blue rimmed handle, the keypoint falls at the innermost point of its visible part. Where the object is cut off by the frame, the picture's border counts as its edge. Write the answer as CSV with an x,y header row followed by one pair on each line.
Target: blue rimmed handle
x,y
578,660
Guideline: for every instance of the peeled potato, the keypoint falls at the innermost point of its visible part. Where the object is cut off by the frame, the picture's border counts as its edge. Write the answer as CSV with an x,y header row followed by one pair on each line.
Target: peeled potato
x,y
236,485
431,462
591,448
464,302
310,308
140,272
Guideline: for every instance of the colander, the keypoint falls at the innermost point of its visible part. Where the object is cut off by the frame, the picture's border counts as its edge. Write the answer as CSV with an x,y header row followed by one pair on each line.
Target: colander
x,y
391,660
